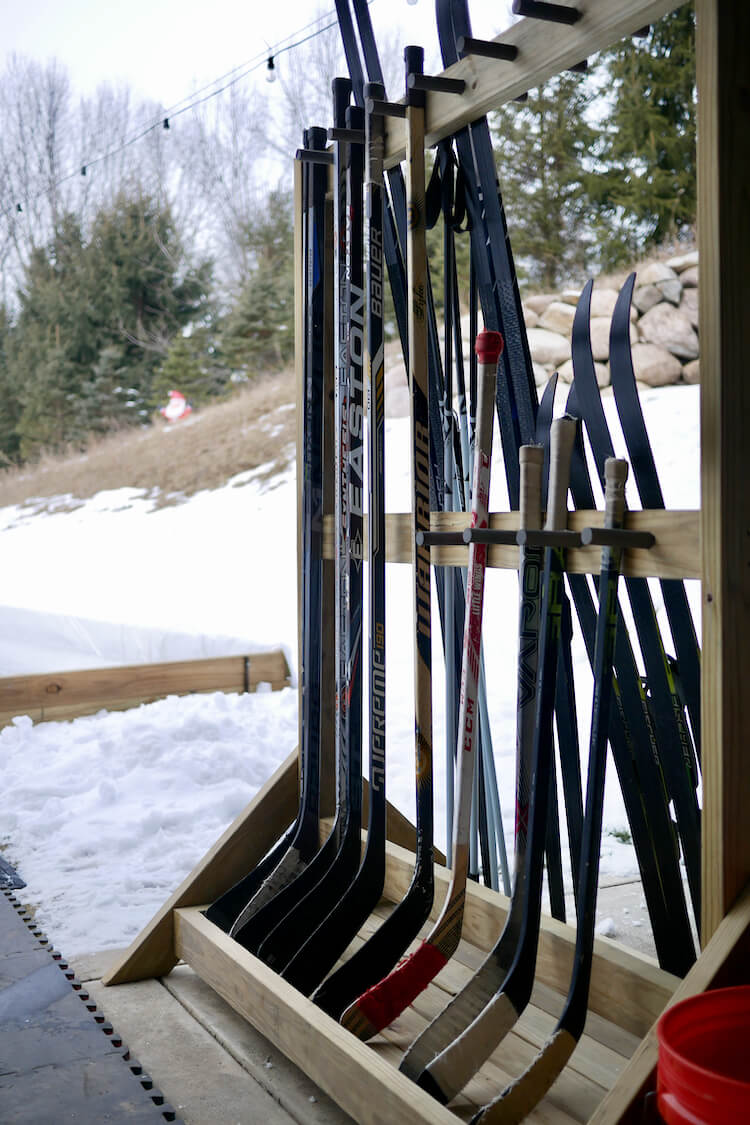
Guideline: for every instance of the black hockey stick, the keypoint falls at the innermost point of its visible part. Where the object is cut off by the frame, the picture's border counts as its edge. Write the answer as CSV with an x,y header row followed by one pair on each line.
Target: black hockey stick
x,y
453,1067
520,1096
321,951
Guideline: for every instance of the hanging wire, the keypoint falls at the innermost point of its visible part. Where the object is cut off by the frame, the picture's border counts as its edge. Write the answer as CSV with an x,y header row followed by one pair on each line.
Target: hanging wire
x,y
266,57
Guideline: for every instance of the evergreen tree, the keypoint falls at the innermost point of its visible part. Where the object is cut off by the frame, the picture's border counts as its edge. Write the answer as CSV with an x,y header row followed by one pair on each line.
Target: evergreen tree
x,y
647,182
96,320
186,370
542,148
258,332
9,405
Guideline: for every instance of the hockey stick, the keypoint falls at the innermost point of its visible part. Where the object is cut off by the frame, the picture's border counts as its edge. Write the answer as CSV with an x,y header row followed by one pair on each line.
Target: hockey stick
x,y
378,955
450,1071
321,951
520,1097
468,1003
291,881
384,1001
302,841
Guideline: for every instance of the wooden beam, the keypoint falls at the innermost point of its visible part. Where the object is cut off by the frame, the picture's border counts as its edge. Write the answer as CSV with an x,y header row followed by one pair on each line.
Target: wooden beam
x,y
676,553
725,960
362,1083
724,240
64,695
246,840
541,55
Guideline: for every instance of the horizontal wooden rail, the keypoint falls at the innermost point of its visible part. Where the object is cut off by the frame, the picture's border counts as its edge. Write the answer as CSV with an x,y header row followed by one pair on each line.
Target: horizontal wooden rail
x,y
66,695
675,554
490,83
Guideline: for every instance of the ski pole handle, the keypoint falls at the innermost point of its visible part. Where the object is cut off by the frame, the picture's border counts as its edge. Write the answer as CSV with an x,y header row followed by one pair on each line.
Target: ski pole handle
x,y
562,438
531,461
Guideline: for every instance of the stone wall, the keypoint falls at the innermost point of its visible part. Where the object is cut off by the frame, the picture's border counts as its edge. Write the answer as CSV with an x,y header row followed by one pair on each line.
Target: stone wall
x,y
663,332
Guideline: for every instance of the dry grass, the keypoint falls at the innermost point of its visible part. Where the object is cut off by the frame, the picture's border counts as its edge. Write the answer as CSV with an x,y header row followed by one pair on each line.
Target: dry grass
x,y
254,429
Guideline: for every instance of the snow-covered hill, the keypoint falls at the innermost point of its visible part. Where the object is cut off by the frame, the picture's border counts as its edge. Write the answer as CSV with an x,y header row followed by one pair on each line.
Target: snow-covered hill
x,y
106,814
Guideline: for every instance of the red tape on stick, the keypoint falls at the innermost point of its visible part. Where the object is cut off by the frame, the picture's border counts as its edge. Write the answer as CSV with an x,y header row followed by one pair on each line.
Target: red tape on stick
x,y
386,1000
489,347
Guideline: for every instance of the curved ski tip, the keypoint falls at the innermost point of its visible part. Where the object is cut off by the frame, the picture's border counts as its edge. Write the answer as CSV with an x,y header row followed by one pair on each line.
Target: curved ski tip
x,y
583,309
428,1083
489,347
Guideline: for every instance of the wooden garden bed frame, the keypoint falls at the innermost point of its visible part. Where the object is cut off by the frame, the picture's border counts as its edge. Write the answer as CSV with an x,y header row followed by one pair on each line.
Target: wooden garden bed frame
x,y
713,545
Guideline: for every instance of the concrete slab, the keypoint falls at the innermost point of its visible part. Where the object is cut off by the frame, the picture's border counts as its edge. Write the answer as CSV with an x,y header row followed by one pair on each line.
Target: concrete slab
x,y
201,1079
284,1081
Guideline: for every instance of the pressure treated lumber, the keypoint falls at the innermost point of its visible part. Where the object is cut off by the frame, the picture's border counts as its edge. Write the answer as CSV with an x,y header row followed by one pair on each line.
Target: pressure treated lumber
x,y
725,960
675,554
65,695
363,1084
490,83
722,32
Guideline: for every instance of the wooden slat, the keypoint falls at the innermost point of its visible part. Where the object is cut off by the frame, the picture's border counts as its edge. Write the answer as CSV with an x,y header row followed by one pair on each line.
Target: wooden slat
x,y
363,1084
246,840
64,695
541,55
625,986
724,240
676,553
726,959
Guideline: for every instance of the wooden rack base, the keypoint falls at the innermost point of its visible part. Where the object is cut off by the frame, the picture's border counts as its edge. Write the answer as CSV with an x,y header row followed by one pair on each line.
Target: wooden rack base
x,y
364,1078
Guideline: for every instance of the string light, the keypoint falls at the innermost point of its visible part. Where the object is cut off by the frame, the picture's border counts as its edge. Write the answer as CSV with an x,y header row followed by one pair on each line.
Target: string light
x,y
284,45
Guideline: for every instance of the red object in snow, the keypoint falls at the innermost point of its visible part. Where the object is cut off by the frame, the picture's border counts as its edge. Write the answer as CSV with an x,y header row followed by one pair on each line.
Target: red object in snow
x,y
178,407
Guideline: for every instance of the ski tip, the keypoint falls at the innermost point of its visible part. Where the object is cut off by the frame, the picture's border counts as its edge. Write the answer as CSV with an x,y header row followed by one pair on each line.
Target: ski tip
x,y
489,347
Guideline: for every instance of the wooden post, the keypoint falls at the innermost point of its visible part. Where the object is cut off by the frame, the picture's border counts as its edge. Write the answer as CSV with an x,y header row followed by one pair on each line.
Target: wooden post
x,y
724,238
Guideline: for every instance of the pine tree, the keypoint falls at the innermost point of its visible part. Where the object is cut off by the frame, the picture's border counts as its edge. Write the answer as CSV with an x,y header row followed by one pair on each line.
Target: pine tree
x,y
184,371
258,332
647,182
542,148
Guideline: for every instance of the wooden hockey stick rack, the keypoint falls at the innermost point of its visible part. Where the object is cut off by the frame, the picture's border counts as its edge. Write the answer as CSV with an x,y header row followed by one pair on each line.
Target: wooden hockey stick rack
x,y
711,545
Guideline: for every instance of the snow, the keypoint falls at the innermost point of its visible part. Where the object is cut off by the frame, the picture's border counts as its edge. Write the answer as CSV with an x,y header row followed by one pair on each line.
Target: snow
x,y
105,815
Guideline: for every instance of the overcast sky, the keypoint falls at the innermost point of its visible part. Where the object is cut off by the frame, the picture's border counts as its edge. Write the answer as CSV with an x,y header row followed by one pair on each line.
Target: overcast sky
x,y
164,49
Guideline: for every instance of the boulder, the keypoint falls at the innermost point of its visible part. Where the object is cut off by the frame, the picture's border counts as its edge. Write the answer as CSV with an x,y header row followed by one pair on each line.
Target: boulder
x,y
540,301
603,302
691,371
655,366
689,306
600,326
655,272
570,296
548,347
689,278
601,369
683,262
671,290
669,328
530,317
541,374
558,317
645,297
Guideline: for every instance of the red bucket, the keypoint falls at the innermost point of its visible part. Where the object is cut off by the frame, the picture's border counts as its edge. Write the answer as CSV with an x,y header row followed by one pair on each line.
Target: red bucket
x,y
703,1076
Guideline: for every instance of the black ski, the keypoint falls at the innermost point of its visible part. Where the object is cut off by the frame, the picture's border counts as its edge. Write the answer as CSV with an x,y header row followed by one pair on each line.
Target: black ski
x,y
647,481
